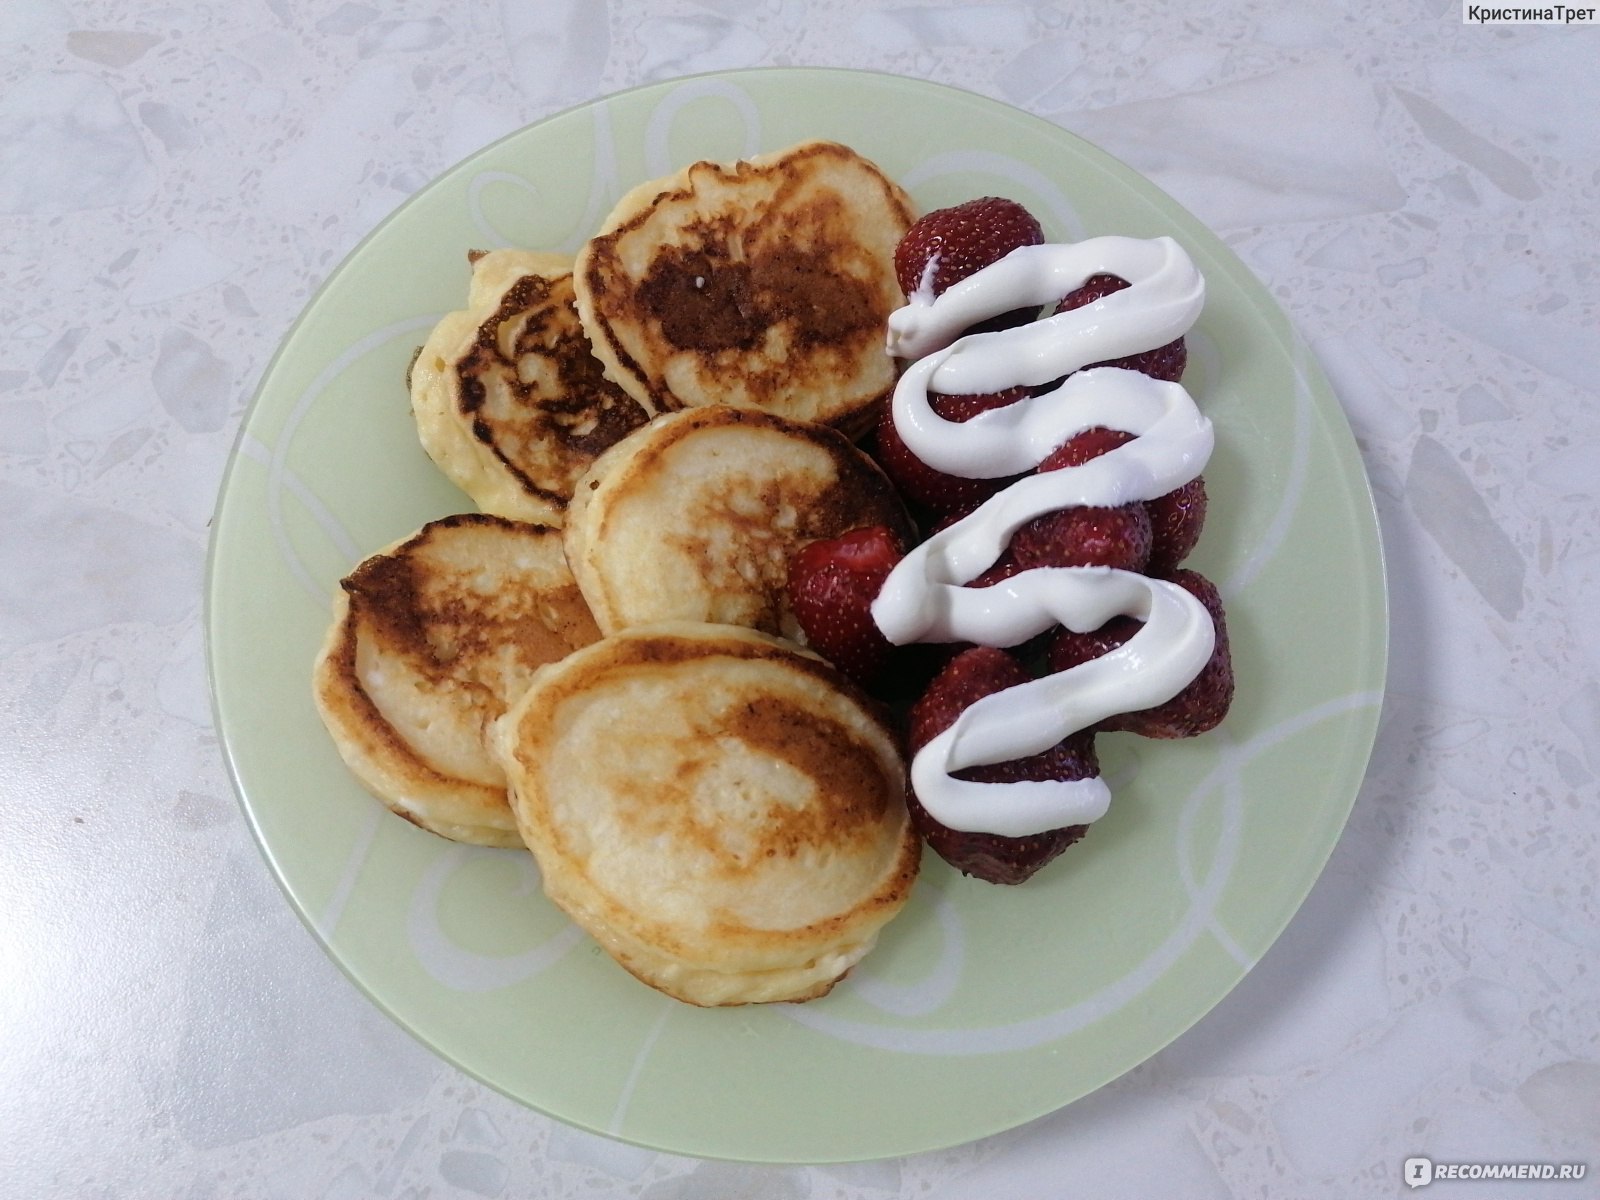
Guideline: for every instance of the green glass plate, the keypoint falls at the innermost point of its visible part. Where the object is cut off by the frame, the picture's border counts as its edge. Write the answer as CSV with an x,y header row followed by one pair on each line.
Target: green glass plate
x,y
983,1006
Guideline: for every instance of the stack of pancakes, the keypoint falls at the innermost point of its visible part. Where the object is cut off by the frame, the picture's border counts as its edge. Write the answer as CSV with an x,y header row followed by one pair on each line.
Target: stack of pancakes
x,y
601,665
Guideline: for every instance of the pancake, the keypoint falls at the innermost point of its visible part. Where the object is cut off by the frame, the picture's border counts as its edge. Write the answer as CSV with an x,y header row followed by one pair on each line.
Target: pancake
x,y
508,400
763,283
719,809
431,641
695,516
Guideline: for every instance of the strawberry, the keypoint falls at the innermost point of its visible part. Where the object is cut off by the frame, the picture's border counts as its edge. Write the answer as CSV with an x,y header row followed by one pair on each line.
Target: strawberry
x,y
999,571
1175,518
911,668
1164,362
1068,649
920,483
832,583
1085,537
1199,707
1081,447
1175,523
966,238
970,676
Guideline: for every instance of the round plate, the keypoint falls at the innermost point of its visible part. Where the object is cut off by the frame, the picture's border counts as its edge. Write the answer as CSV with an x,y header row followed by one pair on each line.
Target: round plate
x,y
983,1006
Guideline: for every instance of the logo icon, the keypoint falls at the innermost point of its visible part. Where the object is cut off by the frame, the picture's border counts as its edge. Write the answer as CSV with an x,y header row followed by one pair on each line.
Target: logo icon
x,y
1418,1172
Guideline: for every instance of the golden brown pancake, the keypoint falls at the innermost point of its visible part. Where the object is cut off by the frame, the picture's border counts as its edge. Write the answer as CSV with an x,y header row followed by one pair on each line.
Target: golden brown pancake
x,y
508,399
695,516
763,283
431,641
719,809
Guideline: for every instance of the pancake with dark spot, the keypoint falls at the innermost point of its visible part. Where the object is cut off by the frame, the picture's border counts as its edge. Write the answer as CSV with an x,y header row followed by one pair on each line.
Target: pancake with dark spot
x,y
431,641
509,400
763,283
719,809
695,516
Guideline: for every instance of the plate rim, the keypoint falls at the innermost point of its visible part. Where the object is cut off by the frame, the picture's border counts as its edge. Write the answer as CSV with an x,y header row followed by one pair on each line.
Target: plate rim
x,y
1357,482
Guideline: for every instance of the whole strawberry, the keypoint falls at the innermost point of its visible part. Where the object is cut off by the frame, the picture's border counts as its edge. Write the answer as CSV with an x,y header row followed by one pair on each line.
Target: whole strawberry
x,y
1175,523
1085,536
965,238
921,484
1199,707
1164,362
1175,519
969,677
832,583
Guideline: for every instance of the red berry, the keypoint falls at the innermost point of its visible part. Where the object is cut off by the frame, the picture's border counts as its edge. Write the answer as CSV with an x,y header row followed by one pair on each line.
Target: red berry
x,y
1164,362
1085,537
920,483
1175,518
1069,649
1082,447
999,571
967,238
832,584
1199,707
911,668
972,675
1175,523
969,677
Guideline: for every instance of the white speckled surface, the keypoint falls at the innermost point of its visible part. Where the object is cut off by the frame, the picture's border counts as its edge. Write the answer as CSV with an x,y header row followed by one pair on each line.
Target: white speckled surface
x,y
1420,195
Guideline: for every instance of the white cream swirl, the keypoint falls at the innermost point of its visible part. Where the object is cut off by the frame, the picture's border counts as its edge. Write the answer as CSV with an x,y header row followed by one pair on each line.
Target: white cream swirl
x,y
924,598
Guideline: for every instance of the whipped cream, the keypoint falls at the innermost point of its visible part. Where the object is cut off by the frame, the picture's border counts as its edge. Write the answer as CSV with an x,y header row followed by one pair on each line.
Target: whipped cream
x,y
924,598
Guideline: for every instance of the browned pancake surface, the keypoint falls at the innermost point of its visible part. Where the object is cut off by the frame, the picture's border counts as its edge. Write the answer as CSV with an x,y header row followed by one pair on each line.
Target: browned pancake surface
x,y
432,639
697,515
509,399
751,839
764,283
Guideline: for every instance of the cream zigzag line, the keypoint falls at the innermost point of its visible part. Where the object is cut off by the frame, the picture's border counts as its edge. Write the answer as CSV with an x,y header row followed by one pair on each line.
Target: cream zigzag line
x,y
1049,1027
278,473
1201,916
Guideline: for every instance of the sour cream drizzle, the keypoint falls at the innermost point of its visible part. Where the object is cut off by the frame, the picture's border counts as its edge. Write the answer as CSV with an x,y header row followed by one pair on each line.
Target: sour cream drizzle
x,y
924,598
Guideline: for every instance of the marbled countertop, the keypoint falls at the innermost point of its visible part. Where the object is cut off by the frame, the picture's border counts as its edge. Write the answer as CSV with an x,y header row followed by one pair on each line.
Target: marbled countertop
x,y
1421,196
